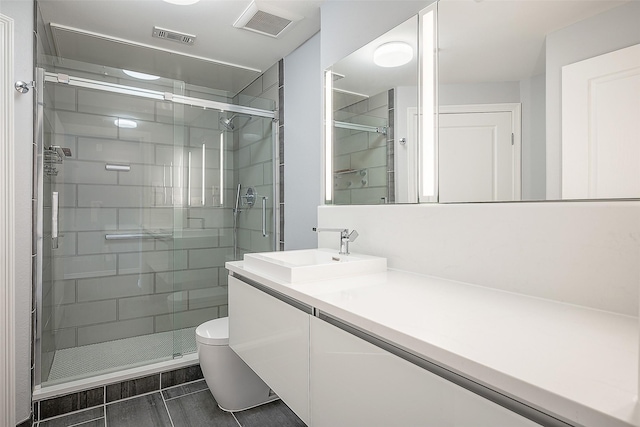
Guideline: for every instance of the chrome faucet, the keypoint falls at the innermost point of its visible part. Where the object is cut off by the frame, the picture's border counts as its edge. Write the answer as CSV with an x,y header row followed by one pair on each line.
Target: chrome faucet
x,y
345,237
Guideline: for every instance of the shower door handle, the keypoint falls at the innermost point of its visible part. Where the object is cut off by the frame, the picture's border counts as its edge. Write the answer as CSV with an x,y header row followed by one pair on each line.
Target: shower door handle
x,y
264,216
54,219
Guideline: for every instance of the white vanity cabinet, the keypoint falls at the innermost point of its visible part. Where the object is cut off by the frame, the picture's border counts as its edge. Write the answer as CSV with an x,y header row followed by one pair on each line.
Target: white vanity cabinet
x,y
272,337
355,383
331,374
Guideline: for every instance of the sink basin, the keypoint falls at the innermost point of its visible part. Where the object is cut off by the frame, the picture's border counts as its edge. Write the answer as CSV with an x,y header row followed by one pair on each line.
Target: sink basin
x,y
312,264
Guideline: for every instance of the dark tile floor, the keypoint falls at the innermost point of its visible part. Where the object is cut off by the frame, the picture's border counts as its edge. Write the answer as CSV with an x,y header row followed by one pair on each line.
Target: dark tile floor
x,y
188,405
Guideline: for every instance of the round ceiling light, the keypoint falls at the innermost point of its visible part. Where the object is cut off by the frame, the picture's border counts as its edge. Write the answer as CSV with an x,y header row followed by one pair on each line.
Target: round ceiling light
x,y
182,2
141,76
392,54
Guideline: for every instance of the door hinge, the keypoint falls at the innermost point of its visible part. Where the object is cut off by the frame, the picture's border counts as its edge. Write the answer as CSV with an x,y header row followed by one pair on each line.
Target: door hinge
x,y
512,139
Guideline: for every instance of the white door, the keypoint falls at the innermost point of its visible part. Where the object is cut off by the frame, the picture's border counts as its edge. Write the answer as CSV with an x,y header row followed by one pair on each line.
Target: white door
x,y
601,126
478,155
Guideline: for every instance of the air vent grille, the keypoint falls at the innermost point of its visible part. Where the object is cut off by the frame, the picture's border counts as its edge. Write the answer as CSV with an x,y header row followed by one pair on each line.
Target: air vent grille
x,y
266,23
267,20
175,36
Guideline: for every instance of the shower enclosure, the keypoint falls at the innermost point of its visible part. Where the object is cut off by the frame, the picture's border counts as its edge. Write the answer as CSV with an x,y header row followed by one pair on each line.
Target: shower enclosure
x,y
138,209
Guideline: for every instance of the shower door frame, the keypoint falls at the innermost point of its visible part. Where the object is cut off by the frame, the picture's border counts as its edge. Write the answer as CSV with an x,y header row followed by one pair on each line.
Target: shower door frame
x,y
43,77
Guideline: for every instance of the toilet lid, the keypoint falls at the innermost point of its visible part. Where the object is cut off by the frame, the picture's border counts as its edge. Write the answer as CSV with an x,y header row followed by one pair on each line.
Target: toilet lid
x,y
214,332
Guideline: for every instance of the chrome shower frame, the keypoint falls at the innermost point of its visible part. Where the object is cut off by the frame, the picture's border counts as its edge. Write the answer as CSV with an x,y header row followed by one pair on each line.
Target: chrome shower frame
x,y
38,226
42,77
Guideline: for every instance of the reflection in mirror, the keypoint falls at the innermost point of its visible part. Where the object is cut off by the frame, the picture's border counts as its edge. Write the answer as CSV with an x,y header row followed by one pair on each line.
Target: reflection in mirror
x,y
374,104
538,100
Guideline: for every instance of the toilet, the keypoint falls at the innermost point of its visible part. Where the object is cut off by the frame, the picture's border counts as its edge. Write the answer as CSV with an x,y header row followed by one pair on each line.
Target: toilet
x,y
233,384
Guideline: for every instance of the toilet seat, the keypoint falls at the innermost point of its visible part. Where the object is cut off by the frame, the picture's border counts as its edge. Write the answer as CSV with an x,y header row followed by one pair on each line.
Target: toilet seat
x,y
214,332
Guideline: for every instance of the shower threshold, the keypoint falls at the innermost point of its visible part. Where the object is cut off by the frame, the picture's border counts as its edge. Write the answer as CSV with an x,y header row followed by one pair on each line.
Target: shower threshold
x,y
97,359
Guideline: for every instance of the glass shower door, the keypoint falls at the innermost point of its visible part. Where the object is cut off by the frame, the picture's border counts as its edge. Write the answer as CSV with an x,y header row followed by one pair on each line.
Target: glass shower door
x,y
139,187
108,296
221,151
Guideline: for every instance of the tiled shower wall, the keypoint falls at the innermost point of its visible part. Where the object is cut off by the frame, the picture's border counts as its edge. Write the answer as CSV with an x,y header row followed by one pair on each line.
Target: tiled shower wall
x,y
360,157
101,289
254,162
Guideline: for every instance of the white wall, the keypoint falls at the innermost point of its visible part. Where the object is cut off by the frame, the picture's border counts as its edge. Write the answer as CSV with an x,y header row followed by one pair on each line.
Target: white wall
x,y
533,138
303,144
612,30
22,14
581,253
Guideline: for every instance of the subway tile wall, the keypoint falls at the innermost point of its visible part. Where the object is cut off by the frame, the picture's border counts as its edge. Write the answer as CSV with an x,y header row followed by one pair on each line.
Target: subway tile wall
x,y
255,162
360,157
98,290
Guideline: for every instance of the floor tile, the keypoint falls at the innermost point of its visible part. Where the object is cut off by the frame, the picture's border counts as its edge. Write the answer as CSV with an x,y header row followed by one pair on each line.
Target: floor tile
x,y
274,414
181,390
94,415
143,411
95,423
199,409
71,402
132,388
179,376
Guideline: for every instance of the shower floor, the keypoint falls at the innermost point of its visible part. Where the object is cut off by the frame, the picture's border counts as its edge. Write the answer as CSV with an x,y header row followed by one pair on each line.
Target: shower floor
x,y
95,359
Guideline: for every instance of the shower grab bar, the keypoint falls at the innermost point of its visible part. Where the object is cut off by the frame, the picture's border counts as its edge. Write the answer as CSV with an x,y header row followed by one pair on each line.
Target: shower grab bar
x,y
138,236
358,127
55,198
264,216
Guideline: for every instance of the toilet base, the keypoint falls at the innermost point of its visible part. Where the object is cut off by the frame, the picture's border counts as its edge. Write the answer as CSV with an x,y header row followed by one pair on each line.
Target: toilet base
x,y
272,398
233,384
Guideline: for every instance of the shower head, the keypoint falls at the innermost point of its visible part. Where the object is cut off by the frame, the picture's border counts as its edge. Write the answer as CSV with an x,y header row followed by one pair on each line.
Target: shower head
x,y
228,123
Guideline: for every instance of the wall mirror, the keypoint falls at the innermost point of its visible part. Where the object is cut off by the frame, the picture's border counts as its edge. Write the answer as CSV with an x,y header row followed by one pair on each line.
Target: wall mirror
x,y
538,100
371,100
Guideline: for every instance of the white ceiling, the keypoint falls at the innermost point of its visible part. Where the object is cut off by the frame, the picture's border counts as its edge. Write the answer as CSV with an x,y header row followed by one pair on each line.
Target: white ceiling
x,y
118,33
490,40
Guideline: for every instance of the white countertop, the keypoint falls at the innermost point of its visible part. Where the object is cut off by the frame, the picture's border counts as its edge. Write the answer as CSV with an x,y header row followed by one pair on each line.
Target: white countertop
x,y
574,362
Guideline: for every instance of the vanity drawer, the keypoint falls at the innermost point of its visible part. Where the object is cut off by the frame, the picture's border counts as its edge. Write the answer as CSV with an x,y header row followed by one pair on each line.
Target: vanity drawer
x,y
356,383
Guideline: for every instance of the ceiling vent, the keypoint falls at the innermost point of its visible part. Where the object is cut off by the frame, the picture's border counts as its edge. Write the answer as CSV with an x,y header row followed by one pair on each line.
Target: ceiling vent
x,y
266,19
163,33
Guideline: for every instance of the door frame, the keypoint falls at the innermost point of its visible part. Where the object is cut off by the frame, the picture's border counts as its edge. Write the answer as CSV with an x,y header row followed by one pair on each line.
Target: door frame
x,y
516,129
7,228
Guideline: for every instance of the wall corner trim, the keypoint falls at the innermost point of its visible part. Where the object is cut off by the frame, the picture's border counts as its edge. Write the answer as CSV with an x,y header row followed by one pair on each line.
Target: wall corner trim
x,y
7,226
